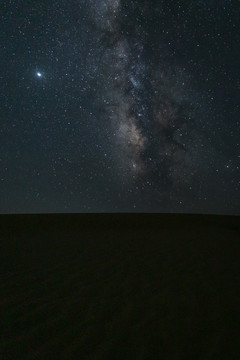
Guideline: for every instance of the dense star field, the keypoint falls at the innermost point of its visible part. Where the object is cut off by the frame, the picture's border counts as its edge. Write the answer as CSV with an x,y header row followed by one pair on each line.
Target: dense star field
x,y
111,106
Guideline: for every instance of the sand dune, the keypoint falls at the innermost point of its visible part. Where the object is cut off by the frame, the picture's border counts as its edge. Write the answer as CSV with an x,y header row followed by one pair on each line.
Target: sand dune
x,y
120,286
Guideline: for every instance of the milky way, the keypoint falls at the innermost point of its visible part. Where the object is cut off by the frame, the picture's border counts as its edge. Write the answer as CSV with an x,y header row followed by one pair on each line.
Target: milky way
x,y
153,110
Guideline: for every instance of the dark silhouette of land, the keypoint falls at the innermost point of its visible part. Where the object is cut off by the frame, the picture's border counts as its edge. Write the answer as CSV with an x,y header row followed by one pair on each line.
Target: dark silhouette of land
x,y
120,286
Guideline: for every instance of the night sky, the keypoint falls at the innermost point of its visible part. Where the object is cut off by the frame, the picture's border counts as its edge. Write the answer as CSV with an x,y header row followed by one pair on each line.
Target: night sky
x,y
120,106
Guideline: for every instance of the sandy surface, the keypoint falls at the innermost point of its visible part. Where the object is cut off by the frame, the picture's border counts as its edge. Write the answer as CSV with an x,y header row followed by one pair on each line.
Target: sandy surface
x,y
120,287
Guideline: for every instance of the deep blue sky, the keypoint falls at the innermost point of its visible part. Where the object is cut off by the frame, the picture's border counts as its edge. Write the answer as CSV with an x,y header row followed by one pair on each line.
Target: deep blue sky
x,y
120,106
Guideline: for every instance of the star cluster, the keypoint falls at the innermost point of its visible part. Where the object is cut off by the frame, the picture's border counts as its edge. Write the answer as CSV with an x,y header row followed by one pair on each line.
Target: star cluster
x,y
120,106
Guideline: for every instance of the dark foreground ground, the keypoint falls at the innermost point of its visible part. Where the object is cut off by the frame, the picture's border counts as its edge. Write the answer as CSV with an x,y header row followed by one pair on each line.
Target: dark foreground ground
x,y
120,287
